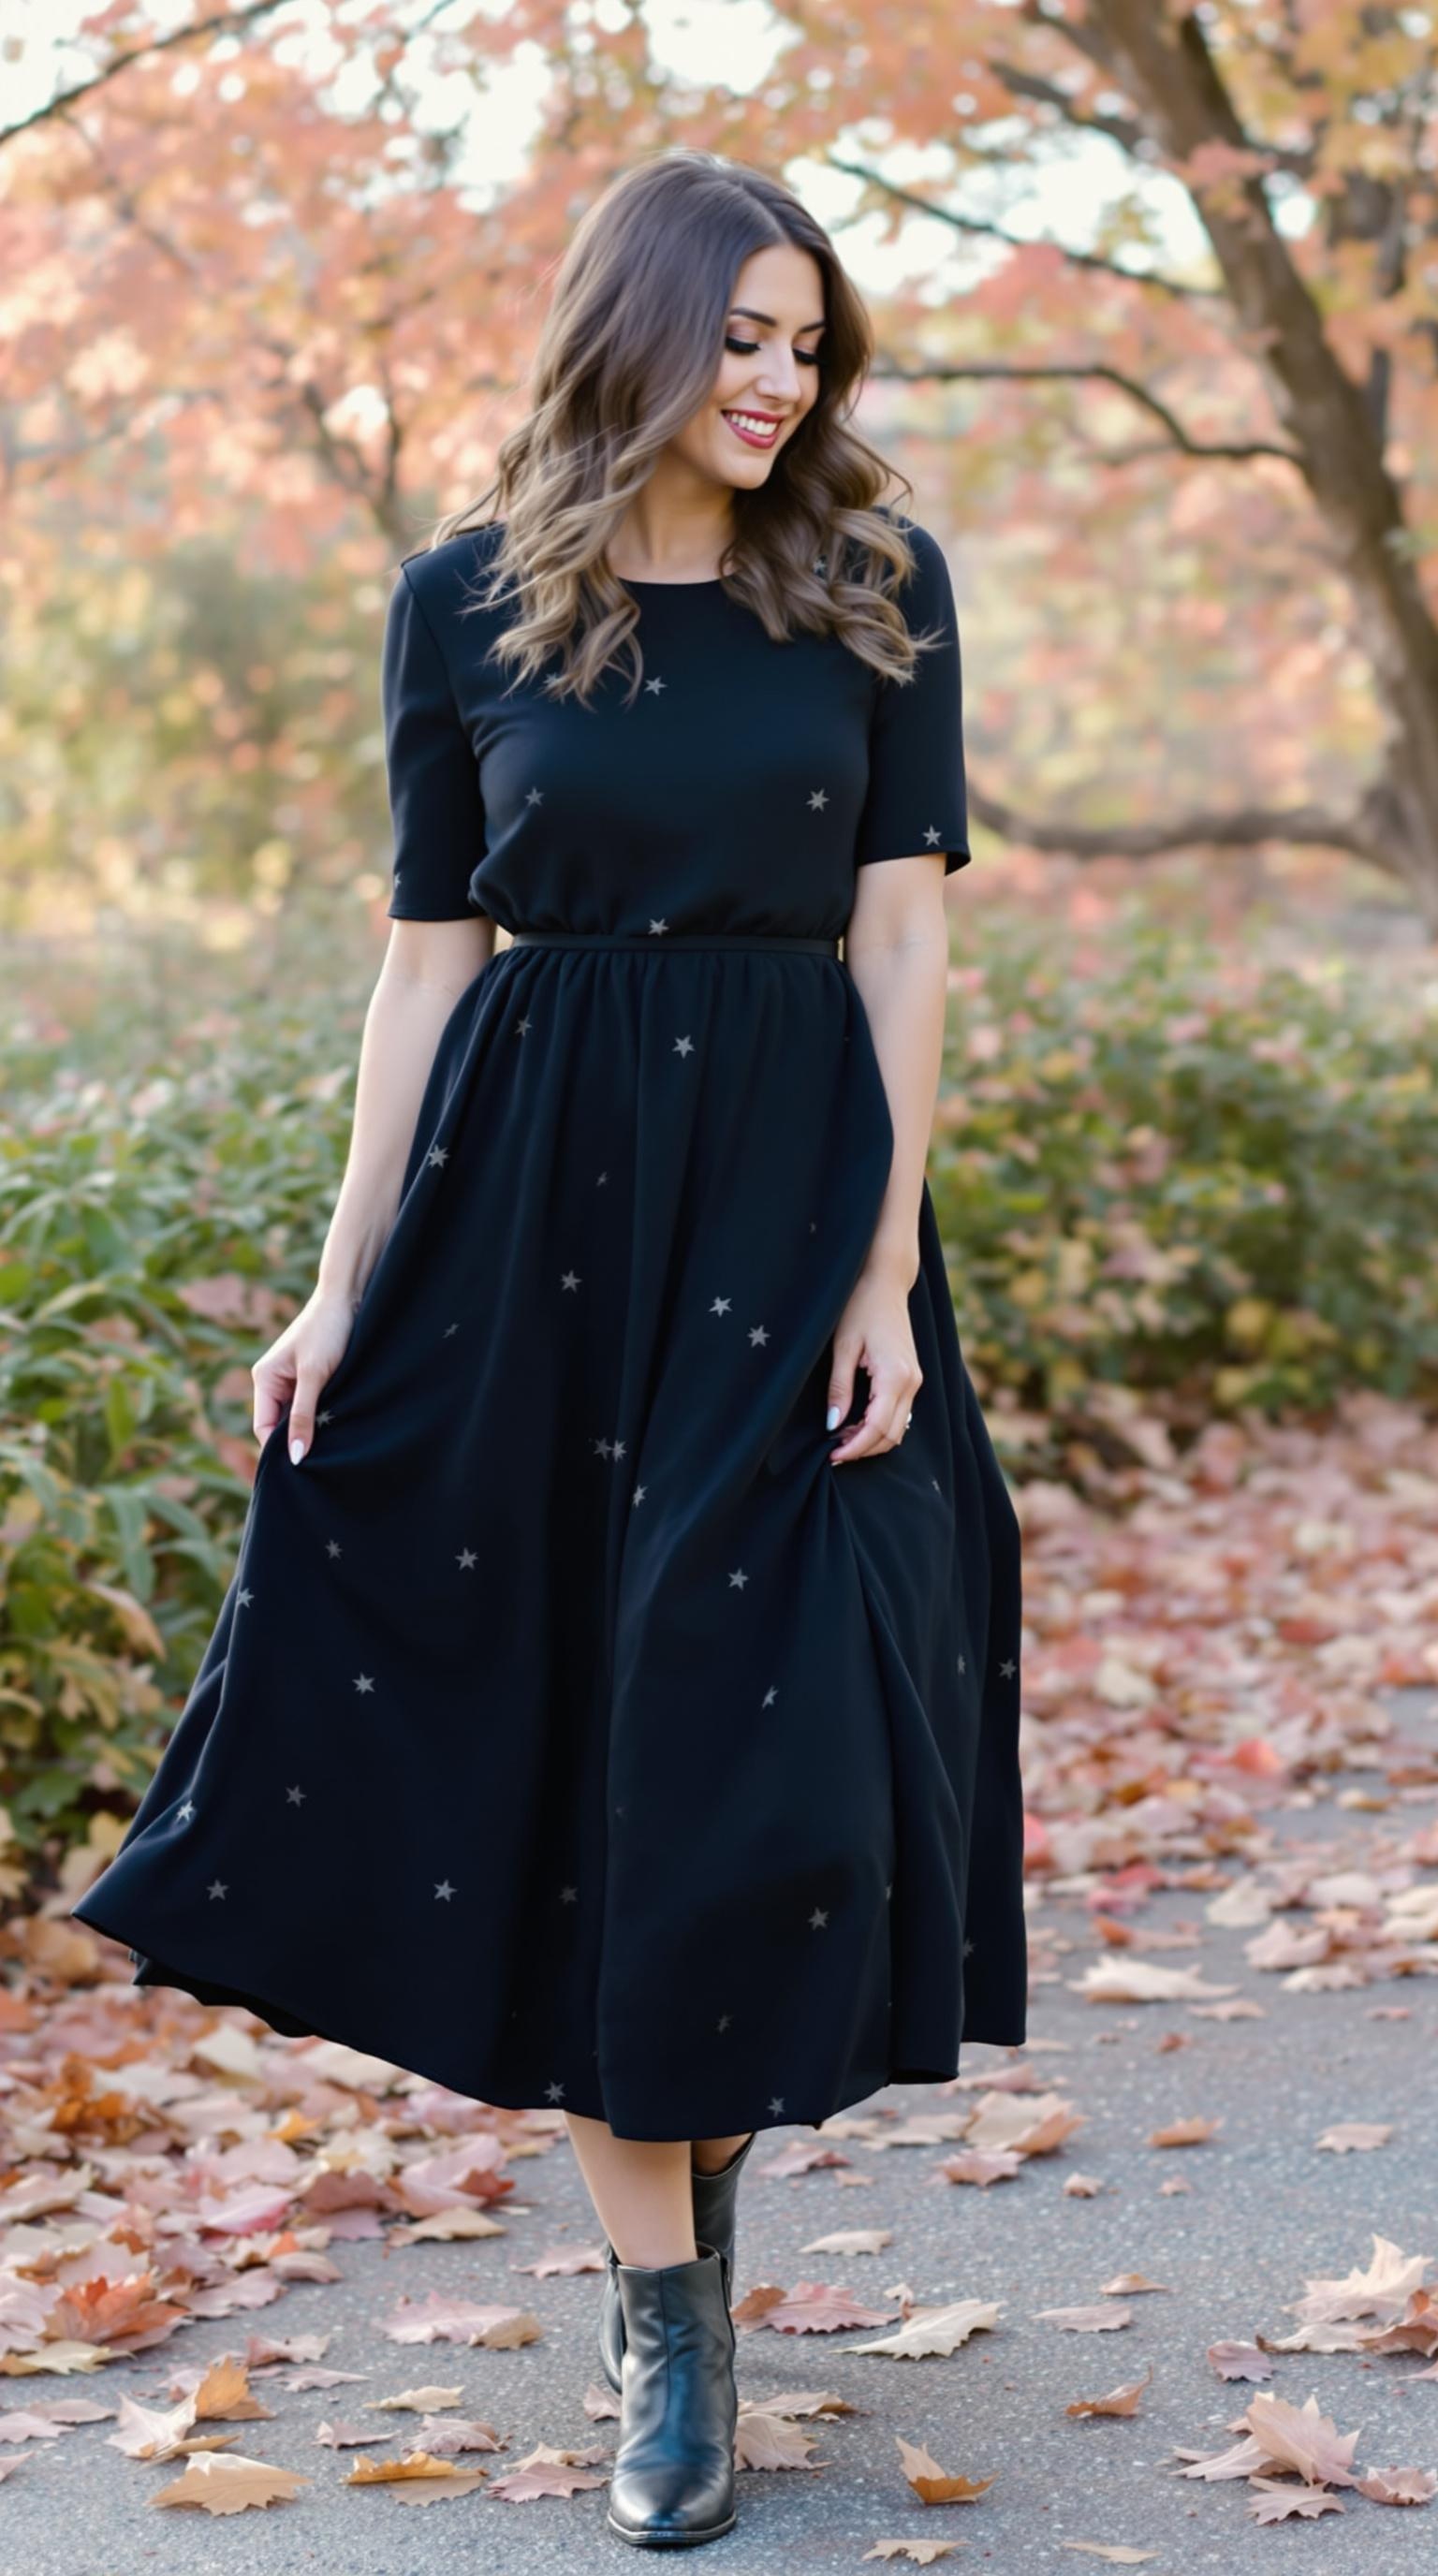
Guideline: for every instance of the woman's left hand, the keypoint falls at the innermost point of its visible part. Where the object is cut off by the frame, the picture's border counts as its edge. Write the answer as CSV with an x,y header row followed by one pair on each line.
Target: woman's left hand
x,y
874,1332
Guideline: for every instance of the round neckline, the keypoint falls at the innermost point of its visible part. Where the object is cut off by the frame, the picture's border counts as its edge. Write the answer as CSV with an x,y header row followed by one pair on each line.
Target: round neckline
x,y
706,581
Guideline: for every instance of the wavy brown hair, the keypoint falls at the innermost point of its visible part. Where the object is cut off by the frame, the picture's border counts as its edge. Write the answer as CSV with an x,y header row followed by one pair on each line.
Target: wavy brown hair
x,y
630,348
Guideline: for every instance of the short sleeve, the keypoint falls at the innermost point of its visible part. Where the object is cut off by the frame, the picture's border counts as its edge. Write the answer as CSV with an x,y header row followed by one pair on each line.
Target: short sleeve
x,y
917,797
434,795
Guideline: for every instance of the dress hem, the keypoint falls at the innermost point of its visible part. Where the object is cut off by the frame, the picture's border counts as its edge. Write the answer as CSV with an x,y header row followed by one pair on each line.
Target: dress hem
x,y
151,1971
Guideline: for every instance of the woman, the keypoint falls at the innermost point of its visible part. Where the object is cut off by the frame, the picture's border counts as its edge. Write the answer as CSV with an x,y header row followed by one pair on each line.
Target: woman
x,y
585,1724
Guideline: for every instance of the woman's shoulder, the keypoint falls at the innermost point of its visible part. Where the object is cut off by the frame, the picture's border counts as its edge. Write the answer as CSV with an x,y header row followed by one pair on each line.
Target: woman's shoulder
x,y
450,575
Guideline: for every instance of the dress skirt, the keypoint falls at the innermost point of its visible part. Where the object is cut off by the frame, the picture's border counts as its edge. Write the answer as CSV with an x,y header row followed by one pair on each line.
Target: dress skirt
x,y
572,1731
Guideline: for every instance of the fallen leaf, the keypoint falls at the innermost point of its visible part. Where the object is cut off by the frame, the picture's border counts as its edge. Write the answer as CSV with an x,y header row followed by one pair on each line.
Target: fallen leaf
x,y
547,2472
1399,2486
226,2482
1278,2503
1117,2557
1239,2361
559,2261
224,2394
976,2167
1184,2133
1142,1981
440,2476
810,2307
933,2484
850,2240
930,2331
1083,2187
1094,2320
922,2552
1351,2134
765,2441
419,2401
439,2319
1299,2437
1128,2285
1119,2401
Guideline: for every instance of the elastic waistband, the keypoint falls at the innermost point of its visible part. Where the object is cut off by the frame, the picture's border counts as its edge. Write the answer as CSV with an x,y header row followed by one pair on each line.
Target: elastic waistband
x,y
654,943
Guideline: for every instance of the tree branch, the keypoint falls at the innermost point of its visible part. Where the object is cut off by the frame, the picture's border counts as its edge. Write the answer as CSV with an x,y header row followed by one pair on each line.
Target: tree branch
x,y
1242,829
1015,241
229,22
1231,451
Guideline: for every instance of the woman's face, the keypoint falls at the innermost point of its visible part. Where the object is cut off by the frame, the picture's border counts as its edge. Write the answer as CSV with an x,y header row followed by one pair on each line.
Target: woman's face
x,y
768,374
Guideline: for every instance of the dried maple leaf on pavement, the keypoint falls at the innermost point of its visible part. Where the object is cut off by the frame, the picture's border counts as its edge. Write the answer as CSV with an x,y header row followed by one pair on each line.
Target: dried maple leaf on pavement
x,y
548,2472
933,2484
922,2552
809,2307
1300,2437
1092,2320
1346,2136
927,2332
1399,2486
1119,2401
226,2482
1278,2503
1239,2361
766,2441
1184,2133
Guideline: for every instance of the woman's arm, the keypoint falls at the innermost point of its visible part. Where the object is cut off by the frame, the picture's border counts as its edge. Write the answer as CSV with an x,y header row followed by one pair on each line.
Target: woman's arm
x,y
426,967
896,947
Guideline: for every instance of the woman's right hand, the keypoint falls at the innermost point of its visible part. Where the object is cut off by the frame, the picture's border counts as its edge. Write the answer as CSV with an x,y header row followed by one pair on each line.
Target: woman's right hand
x,y
296,1367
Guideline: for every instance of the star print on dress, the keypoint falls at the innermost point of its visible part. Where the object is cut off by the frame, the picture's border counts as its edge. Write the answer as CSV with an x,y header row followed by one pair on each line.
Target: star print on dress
x,y
438,1155
738,1578
723,2021
554,2093
1008,1671
448,1330
658,925
523,1027
602,1449
769,1697
818,800
569,1279
932,837
296,1796
569,1896
684,1046
818,1920
638,1494
776,2103
333,1548
654,687
466,1559
244,1599
363,1683
758,1335
721,1305
217,1887
444,1890
324,1417
187,1811
535,796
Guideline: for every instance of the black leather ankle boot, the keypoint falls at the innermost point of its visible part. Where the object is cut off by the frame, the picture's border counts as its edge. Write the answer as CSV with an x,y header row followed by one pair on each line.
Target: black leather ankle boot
x,y
672,2483
715,2196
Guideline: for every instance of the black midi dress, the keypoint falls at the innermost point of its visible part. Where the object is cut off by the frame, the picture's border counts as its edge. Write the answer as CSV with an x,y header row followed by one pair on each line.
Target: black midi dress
x,y
572,1731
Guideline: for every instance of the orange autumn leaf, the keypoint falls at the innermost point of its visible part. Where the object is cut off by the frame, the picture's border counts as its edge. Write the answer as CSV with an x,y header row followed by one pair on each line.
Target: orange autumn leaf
x,y
1184,2133
1119,2401
934,2485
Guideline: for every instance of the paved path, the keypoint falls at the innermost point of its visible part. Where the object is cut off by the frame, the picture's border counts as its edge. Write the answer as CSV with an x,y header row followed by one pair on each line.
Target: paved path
x,y
1266,2210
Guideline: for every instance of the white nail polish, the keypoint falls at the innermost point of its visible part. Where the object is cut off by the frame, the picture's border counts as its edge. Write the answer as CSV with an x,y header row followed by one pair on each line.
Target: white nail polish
x,y
831,1418
297,1450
